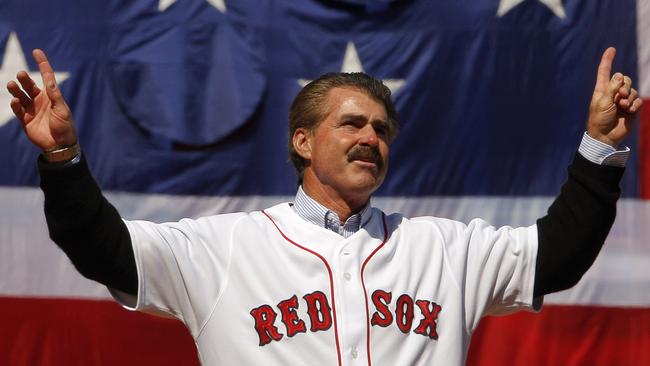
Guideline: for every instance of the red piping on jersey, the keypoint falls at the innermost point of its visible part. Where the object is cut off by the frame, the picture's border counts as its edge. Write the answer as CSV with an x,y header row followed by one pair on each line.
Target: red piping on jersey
x,y
329,272
363,284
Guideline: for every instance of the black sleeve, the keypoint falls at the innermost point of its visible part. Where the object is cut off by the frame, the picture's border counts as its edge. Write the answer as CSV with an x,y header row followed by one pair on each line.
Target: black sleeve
x,y
86,226
577,223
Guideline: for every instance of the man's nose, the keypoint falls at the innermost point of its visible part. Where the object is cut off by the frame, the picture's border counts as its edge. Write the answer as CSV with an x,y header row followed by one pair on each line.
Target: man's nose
x,y
368,136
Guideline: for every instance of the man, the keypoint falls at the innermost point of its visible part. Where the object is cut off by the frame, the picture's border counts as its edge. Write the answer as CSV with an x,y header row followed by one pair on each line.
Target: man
x,y
328,279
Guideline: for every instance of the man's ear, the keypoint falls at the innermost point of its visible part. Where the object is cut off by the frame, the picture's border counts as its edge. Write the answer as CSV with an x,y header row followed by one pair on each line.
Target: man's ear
x,y
302,140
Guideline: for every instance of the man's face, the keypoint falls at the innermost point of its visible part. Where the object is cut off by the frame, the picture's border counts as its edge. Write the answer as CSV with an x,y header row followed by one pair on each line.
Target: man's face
x,y
348,151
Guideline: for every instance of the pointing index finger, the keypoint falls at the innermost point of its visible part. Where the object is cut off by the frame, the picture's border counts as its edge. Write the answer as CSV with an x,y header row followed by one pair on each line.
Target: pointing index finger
x,y
49,82
41,59
605,70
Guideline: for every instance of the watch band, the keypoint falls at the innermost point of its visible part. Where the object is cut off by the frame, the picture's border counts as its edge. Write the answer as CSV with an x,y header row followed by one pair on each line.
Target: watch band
x,y
63,154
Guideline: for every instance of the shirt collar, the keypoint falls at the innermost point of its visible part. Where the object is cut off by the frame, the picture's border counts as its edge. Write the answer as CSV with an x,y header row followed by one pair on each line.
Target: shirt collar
x,y
312,211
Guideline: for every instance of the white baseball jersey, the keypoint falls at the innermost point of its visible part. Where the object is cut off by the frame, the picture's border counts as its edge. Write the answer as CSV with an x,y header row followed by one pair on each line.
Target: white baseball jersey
x,y
269,288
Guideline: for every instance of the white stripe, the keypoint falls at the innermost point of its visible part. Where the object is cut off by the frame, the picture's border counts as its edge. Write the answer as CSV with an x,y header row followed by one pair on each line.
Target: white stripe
x,y
30,265
643,45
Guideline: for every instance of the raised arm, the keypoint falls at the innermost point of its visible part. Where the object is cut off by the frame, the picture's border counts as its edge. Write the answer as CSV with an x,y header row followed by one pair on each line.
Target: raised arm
x,y
579,220
80,220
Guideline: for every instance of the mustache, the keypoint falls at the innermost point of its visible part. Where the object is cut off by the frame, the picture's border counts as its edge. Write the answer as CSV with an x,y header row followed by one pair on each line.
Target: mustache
x,y
366,153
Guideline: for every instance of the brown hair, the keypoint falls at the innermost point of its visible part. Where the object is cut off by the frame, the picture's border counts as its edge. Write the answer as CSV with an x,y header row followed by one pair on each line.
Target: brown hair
x,y
309,106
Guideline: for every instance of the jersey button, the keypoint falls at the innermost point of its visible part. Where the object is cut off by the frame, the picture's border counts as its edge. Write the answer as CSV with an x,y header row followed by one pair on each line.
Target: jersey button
x,y
354,354
347,276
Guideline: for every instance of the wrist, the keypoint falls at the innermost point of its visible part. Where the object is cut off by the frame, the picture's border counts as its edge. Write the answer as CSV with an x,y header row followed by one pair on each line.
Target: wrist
x,y
63,154
604,139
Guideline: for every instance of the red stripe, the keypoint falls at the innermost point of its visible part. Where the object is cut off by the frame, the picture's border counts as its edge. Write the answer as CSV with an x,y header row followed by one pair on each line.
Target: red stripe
x,y
564,335
644,151
49,332
329,271
363,284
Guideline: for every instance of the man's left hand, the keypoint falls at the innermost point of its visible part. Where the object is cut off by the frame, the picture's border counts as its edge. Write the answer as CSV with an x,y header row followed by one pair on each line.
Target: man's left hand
x,y
613,105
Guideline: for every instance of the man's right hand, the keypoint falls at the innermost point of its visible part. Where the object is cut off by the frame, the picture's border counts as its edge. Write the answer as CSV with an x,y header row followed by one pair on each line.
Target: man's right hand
x,y
45,116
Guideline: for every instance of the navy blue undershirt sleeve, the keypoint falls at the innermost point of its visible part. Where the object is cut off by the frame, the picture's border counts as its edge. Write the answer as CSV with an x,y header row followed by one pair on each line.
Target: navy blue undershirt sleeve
x,y
576,226
86,226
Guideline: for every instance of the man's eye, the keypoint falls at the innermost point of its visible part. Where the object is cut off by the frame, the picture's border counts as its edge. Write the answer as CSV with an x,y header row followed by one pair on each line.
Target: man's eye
x,y
381,130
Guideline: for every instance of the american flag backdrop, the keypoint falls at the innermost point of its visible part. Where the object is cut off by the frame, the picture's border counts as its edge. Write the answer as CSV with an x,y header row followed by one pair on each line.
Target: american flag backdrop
x,y
181,109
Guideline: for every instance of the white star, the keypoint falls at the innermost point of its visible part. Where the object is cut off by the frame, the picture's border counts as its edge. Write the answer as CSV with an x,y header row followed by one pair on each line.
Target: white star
x,y
555,5
12,62
352,63
218,4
